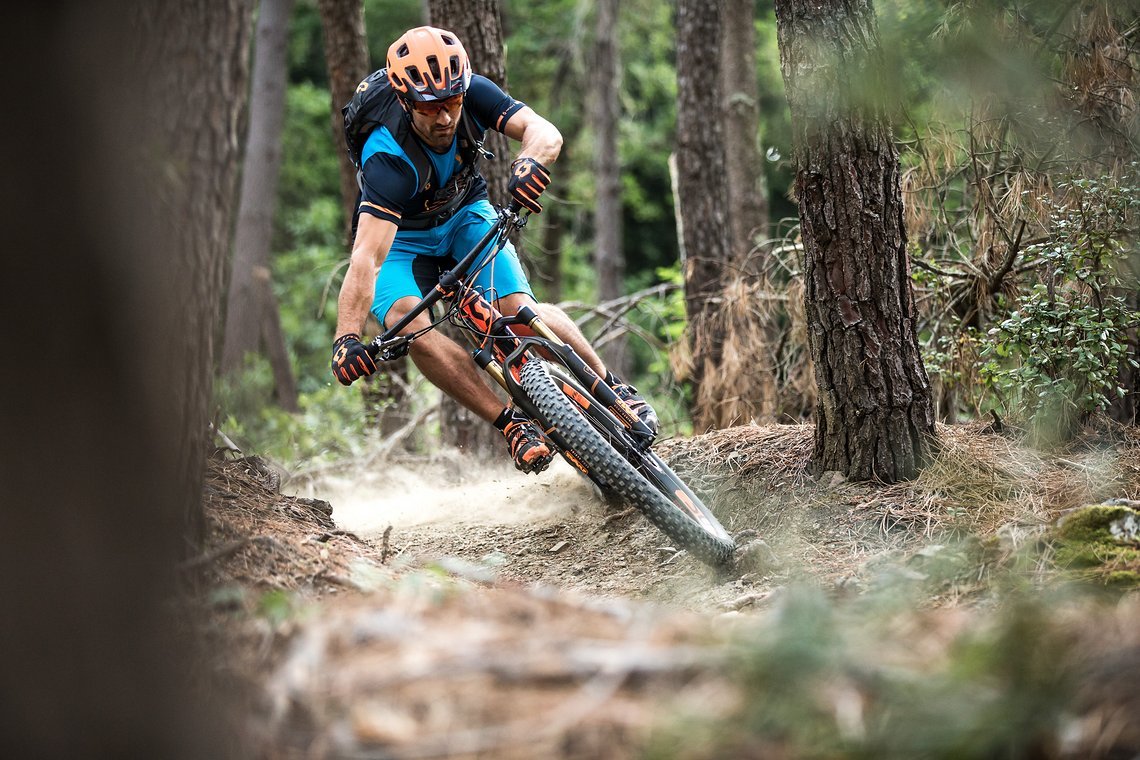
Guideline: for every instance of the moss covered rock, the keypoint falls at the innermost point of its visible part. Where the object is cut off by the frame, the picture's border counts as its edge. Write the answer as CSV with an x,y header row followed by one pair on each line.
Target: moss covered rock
x,y
1101,543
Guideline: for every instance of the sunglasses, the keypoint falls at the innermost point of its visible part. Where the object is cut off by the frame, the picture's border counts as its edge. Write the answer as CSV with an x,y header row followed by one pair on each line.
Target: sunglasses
x,y
435,108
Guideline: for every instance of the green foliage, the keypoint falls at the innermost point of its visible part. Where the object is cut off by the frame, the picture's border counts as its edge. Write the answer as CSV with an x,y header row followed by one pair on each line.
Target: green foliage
x,y
306,46
309,168
386,20
331,423
1058,351
276,606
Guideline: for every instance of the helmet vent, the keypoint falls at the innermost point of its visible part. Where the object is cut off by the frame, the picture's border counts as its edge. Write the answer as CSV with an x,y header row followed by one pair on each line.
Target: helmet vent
x,y
447,39
433,66
403,51
454,65
415,76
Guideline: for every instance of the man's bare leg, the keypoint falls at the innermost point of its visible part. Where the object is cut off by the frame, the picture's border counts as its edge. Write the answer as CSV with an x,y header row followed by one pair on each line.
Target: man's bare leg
x,y
564,328
448,365
558,321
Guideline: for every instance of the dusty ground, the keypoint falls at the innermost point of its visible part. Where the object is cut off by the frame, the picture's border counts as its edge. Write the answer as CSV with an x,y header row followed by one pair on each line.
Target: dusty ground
x,y
557,530
424,613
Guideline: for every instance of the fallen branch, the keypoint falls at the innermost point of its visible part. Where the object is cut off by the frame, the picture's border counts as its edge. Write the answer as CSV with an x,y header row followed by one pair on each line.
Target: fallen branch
x,y
390,442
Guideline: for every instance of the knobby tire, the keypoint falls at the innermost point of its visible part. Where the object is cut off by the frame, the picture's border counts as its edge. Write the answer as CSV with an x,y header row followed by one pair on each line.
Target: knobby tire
x,y
619,475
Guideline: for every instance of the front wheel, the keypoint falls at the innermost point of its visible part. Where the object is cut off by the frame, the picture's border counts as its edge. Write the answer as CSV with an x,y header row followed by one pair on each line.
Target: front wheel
x,y
679,514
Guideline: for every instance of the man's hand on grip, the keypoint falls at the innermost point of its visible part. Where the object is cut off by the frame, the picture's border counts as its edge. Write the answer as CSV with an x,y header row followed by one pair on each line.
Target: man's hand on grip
x,y
351,360
528,179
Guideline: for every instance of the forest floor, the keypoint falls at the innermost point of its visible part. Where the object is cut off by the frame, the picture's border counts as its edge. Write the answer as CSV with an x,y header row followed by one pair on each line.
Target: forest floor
x,y
431,608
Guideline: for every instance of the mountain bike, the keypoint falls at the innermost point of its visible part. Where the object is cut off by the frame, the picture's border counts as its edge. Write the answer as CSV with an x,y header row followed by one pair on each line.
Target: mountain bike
x,y
587,423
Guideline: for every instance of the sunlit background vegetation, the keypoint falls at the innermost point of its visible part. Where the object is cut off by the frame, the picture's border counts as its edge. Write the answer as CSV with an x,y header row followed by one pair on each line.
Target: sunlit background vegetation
x,y
1016,130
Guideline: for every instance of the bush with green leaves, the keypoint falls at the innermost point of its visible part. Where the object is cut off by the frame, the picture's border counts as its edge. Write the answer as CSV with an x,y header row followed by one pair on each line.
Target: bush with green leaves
x,y
1056,354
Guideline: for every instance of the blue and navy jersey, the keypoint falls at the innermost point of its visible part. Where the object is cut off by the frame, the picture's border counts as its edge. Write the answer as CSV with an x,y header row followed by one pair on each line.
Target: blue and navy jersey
x,y
391,188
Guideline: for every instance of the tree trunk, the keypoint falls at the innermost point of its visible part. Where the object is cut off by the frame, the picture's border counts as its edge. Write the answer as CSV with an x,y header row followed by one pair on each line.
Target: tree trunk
x,y
702,199
478,24
103,480
747,189
548,261
194,122
609,259
252,317
346,57
875,417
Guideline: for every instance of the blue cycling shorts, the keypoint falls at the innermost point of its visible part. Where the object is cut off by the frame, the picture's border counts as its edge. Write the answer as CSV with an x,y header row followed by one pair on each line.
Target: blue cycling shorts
x,y
418,257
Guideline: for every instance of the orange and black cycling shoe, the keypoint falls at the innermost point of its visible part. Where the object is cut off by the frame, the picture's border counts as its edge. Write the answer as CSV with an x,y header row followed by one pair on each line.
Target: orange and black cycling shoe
x,y
527,445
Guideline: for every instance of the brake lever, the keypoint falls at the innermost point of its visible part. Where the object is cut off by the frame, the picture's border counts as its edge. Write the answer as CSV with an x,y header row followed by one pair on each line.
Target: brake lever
x,y
389,350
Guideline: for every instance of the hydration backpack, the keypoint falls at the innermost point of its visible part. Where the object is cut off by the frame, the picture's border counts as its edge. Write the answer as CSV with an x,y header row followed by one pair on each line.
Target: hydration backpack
x,y
376,104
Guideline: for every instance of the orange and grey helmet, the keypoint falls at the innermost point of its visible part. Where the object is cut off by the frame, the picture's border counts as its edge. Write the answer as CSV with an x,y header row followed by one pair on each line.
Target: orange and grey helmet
x,y
428,64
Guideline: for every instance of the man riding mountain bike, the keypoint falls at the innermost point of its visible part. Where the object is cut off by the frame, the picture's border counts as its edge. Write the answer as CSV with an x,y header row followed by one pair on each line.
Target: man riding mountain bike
x,y
423,204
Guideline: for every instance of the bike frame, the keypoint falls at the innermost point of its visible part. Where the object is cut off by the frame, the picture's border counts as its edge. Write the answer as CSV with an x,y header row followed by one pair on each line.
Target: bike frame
x,y
501,351
498,349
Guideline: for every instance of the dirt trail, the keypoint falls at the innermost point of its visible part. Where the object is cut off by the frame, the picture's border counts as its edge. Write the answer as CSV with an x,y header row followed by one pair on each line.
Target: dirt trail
x,y
451,494
553,529
513,620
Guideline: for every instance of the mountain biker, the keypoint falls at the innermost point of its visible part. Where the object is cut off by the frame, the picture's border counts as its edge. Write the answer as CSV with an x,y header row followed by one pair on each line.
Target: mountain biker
x,y
411,228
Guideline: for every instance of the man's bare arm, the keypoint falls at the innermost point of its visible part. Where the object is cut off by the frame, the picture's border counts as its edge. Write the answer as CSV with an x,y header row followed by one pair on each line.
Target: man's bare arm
x,y
373,239
540,139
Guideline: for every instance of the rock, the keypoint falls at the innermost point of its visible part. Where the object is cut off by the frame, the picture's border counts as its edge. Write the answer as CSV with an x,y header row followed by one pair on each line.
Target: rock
x,y
1101,543
756,557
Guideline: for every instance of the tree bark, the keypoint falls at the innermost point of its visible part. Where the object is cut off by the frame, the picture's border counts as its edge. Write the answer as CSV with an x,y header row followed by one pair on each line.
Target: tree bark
x,y
193,135
747,188
346,56
252,317
104,481
874,419
609,259
702,201
478,24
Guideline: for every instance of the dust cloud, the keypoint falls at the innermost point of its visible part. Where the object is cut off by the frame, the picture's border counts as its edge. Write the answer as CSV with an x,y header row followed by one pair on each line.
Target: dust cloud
x,y
453,491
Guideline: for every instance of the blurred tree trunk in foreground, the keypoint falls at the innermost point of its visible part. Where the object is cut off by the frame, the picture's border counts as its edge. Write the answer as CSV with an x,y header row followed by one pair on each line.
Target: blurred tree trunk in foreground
x,y
346,57
103,484
875,416
609,258
479,26
253,318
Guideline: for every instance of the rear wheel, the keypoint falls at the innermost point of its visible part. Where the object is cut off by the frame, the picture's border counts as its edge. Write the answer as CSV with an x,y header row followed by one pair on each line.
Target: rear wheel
x,y
655,489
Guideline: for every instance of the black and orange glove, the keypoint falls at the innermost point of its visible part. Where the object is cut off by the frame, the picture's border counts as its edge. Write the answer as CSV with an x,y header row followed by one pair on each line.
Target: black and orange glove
x,y
351,360
528,179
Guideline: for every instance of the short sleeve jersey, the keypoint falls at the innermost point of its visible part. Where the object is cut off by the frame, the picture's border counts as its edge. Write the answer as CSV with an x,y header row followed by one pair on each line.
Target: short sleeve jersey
x,y
390,186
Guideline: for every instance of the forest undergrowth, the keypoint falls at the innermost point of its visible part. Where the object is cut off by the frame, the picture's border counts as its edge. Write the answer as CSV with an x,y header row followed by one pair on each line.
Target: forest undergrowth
x,y
946,617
